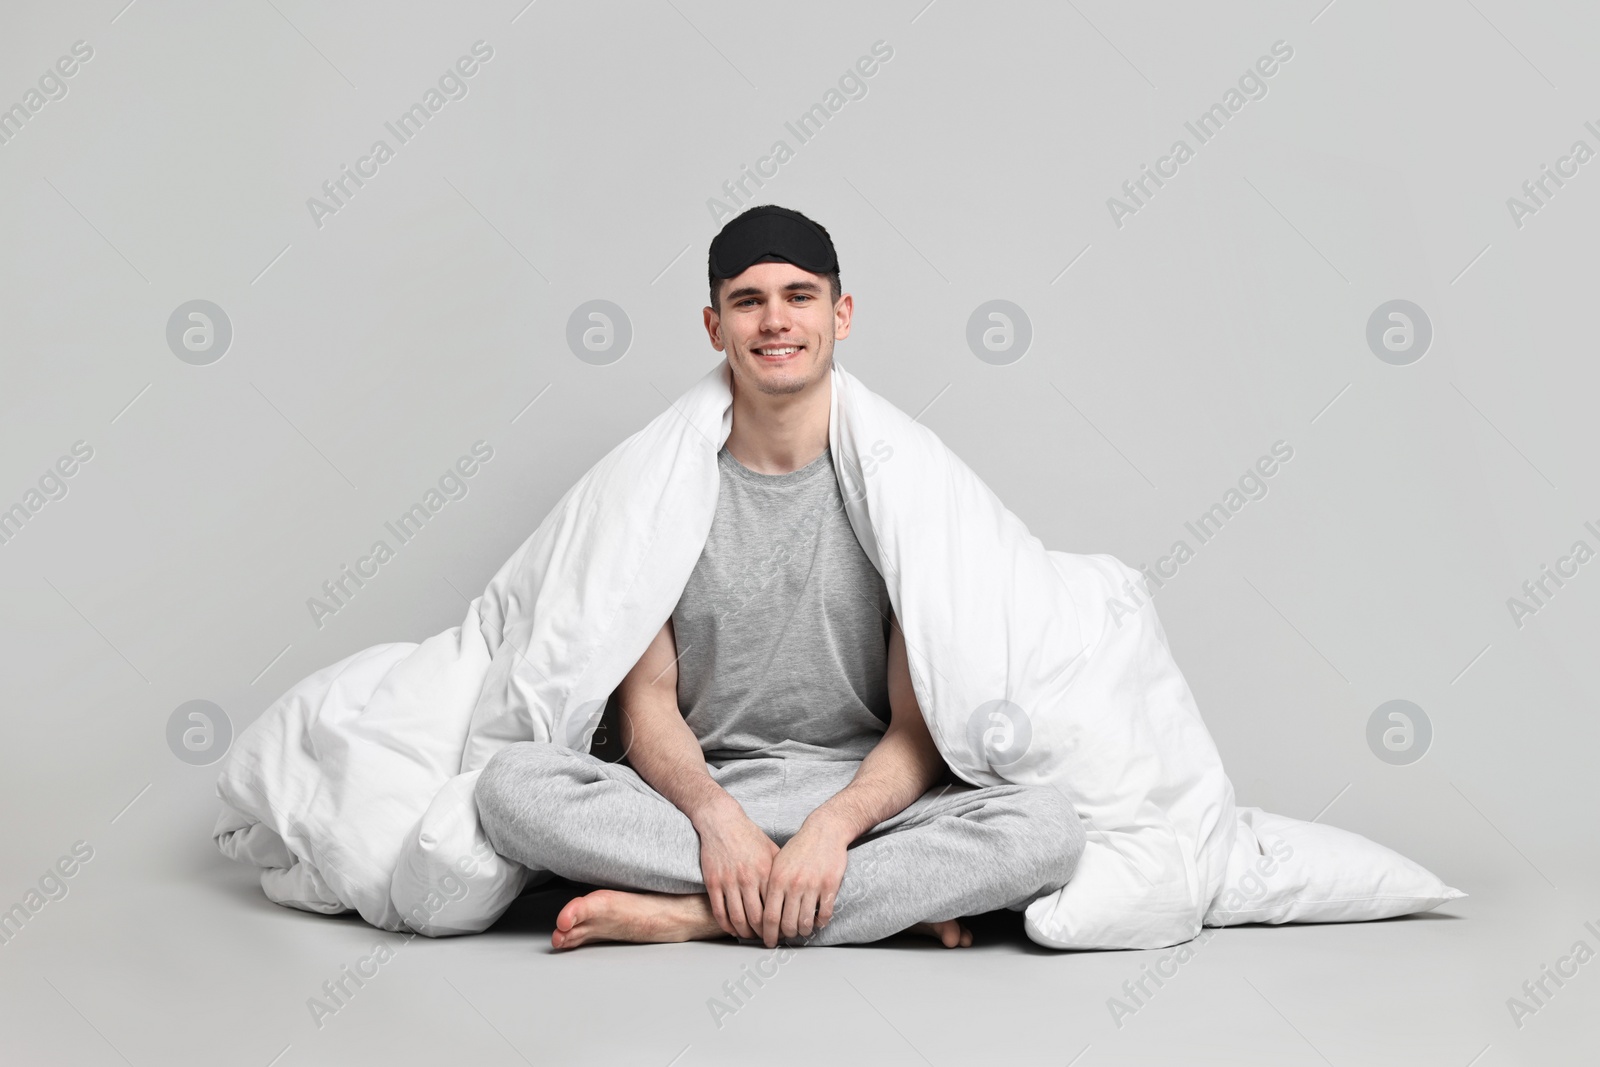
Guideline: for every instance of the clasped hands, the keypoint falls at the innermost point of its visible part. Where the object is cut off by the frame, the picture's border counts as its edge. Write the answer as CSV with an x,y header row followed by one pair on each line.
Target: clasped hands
x,y
759,890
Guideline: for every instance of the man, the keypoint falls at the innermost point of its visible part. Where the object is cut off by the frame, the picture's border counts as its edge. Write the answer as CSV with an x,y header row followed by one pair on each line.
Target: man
x,y
783,783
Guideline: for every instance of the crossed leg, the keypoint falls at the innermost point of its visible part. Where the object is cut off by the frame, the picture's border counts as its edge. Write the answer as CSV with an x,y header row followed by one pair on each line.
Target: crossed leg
x,y
954,851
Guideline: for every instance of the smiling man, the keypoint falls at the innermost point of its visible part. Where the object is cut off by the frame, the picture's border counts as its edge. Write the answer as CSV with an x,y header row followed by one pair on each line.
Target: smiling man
x,y
781,783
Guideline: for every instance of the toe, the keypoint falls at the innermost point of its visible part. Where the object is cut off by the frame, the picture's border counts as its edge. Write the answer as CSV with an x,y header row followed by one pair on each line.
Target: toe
x,y
569,916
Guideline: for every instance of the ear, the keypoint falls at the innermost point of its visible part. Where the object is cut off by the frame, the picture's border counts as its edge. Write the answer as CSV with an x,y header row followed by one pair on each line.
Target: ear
x,y
842,312
713,327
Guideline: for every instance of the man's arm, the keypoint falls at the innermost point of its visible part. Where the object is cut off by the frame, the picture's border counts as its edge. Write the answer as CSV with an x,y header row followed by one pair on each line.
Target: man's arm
x,y
735,855
902,766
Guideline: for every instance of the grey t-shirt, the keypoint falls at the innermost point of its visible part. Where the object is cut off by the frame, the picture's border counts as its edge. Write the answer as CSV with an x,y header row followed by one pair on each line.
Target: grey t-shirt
x,y
782,630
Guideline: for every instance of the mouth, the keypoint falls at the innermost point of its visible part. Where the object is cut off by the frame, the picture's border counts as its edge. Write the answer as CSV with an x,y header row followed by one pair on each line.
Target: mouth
x,y
777,353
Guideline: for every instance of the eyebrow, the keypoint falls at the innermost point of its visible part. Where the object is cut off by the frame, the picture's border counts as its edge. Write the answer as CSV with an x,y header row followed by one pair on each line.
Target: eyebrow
x,y
793,287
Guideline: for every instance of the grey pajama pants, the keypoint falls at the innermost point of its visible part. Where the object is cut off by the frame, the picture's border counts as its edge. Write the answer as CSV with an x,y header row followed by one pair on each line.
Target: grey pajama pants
x,y
956,850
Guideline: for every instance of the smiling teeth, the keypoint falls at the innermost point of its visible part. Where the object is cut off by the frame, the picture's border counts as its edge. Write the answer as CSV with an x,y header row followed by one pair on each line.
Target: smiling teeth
x,y
779,351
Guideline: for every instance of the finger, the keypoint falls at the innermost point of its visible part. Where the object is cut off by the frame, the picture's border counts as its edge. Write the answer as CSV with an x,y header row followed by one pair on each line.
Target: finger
x,y
772,915
825,908
829,899
808,913
754,910
791,914
736,912
718,910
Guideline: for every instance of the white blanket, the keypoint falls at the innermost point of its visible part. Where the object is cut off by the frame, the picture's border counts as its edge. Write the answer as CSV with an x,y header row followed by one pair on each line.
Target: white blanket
x,y
354,790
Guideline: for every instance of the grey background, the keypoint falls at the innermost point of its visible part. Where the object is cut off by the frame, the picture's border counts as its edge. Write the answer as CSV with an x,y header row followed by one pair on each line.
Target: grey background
x,y
1167,356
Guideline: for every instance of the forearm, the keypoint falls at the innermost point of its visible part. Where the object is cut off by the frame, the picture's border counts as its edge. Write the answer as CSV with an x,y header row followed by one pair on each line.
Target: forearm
x,y
664,751
903,766
900,768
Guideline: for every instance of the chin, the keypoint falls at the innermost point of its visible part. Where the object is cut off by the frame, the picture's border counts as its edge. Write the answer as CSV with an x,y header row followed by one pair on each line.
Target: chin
x,y
781,387
781,380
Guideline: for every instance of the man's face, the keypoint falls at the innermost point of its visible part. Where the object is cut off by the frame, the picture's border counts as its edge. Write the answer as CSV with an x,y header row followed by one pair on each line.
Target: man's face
x,y
778,326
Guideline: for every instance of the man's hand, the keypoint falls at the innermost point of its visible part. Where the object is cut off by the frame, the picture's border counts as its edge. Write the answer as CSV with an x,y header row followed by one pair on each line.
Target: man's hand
x,y
735,861
805,877
804,882
735,855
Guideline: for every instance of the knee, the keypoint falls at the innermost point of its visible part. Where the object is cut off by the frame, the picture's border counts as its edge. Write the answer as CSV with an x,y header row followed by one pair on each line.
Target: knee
x,y
511,778
1055,832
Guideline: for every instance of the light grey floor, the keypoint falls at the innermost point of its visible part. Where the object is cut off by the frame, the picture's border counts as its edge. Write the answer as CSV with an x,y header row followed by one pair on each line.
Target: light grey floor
x,y
194,965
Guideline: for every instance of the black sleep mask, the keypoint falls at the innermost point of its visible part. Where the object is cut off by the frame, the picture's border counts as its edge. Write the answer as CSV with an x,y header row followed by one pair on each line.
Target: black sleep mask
x,y
771,234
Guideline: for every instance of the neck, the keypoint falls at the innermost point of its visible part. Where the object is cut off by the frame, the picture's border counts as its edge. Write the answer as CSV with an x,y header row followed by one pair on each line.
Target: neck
x,y
779,434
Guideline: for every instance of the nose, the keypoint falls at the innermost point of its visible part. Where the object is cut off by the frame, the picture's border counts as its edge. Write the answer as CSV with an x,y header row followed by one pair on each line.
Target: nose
x,y
775,317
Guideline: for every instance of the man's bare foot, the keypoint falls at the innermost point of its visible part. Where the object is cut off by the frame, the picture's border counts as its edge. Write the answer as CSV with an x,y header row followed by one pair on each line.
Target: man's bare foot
x,y
950,932
613,915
